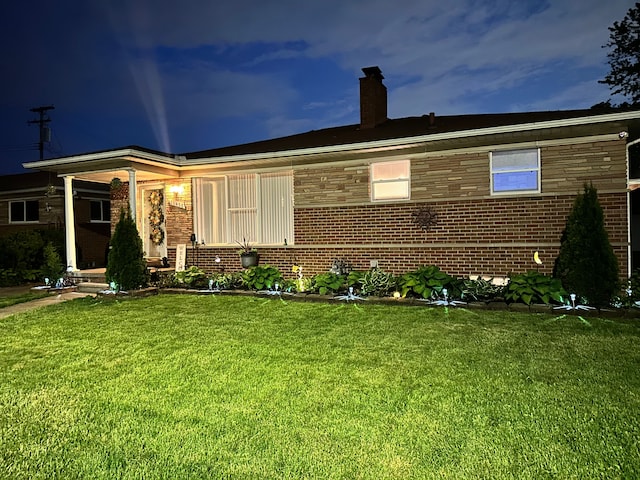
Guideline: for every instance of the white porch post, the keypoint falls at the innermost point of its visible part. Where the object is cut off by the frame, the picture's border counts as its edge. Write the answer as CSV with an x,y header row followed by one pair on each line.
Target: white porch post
x,y
69,223
132,193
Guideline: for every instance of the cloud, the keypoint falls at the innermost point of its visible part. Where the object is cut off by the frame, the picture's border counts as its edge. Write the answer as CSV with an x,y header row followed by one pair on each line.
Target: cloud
x,y
292,66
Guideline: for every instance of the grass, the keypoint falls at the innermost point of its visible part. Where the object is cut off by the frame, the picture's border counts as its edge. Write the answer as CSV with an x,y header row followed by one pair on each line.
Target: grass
x,y
21,298
229,387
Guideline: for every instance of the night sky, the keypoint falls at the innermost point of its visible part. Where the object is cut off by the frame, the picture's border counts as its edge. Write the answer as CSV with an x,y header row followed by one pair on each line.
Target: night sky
x,y
199,74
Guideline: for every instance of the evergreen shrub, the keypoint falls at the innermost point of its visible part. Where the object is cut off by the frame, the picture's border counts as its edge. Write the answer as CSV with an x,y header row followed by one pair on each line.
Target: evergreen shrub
x,y
586,264
126,265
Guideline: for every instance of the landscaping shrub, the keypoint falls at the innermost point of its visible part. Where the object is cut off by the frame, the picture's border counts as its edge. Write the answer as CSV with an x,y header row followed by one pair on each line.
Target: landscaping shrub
x,y
21,257
52,267
261,277
377,283
534,287
226,281
191,277
586,264
126,265
328,283
480,289
428,282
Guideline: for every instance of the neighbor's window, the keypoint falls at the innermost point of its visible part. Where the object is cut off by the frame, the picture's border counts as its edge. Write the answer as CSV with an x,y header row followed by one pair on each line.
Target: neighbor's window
x,y
515,171
390,180
23,211
255,207
100,210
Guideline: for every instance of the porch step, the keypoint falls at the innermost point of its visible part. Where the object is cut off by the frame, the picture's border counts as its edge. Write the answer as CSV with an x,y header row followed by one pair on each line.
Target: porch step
x,y
91,276
91,287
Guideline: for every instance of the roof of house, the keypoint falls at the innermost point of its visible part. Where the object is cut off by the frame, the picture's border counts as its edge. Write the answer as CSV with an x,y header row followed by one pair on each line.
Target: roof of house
x,y
391,129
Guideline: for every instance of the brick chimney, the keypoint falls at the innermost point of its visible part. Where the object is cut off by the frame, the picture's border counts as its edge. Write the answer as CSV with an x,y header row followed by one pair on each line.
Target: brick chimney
x,y
373,98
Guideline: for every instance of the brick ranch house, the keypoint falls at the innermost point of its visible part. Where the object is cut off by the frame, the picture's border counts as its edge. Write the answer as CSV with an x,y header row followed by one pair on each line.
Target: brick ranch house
x,y
473,194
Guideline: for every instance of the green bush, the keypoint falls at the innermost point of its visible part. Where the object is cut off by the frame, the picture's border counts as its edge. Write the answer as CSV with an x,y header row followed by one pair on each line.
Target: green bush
x,y
191,277
377,283
261,277
586,264
480,289
52,267
534,287
428,282
22,257
226,281
126,265
328,283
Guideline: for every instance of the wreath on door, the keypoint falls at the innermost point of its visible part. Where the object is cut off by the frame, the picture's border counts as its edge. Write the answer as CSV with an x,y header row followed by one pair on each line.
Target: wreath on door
x,y
156,217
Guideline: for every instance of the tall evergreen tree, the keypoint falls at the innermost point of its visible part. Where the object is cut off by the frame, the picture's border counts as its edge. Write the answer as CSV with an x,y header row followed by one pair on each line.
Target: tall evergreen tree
x,y
586,264
126,265
624,57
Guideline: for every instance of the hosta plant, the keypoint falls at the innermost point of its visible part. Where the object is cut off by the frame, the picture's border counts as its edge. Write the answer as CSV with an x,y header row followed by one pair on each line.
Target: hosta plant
x,y
191,277
226,281
480,289
377,283
261,277
428,282
534,287
327,283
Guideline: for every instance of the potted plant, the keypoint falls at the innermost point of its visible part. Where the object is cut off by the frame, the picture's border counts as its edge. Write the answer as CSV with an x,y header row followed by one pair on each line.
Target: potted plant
x,y
248,254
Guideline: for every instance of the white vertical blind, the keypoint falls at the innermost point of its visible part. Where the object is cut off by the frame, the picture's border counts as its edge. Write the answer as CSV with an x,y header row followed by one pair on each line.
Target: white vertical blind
x,y
241,198
276,208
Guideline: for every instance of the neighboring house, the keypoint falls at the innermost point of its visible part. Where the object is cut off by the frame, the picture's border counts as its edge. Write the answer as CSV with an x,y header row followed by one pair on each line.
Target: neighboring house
x,y
35,201
473,194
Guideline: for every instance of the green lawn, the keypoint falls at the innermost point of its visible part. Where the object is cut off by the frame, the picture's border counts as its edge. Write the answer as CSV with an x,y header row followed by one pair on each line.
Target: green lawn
x,y
21,298
229,387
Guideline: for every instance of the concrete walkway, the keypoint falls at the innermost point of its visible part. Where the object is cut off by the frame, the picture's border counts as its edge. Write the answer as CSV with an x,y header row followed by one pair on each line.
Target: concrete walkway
x,y
41,302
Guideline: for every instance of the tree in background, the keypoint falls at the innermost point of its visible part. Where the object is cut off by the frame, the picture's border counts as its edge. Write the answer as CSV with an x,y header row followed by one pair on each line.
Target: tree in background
x,y
586,264
624,58
126,265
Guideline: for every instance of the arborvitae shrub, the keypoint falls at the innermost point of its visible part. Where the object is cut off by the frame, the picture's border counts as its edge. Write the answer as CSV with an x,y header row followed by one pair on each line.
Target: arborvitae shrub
x,y
126,265
586,264
52,267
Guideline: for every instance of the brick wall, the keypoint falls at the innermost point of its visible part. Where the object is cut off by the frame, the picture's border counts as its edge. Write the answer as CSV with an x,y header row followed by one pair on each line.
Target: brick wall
x,y
119,200
475,232
178,214
564,169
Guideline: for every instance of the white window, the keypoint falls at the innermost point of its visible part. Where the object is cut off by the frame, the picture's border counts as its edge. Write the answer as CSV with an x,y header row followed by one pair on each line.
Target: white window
x,y
255,207
100,210
390,180
24,211
515,171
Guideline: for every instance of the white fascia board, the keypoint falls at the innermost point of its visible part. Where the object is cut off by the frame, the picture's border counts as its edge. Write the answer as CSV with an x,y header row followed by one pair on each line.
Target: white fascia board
x,y
123,154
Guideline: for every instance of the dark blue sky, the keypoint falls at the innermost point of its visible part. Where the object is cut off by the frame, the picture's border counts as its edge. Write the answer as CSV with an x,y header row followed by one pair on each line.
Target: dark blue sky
x,y
199,74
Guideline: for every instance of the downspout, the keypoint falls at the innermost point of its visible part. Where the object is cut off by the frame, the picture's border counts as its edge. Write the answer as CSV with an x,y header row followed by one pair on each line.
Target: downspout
x,y
629,250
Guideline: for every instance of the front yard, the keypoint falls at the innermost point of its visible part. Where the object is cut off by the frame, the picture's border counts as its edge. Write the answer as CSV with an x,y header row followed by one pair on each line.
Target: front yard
x,y
244,387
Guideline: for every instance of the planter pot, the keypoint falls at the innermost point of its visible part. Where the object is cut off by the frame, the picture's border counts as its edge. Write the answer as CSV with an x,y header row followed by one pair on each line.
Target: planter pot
x,y
249,260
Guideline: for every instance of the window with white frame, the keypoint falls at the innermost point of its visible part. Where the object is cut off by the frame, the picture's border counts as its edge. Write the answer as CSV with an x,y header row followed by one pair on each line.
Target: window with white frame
x,y
100,210
255,207
390,180
22,211
515,171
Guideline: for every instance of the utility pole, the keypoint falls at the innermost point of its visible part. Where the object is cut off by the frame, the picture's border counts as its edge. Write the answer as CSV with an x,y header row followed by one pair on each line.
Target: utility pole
x,y
45,132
